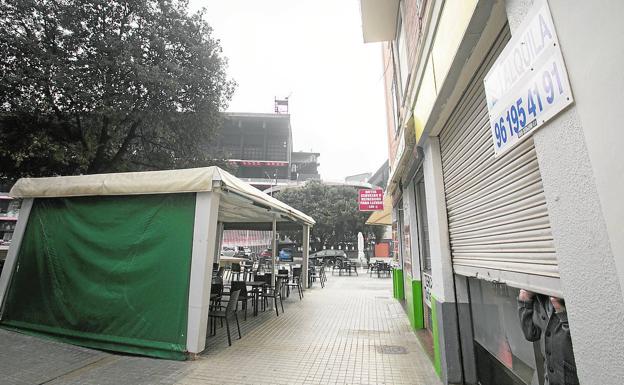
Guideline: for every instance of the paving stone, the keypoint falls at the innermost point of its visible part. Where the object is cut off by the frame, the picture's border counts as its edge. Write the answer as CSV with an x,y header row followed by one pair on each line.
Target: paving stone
x,y
335,335
31,360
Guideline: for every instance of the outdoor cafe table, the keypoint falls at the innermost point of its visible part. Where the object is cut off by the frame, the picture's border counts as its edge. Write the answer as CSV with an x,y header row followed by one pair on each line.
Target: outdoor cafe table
x,y
256,286
348,266
224,261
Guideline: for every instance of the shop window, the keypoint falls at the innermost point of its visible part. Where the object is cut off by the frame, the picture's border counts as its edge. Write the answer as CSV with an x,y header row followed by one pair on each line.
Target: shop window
x,y
506,356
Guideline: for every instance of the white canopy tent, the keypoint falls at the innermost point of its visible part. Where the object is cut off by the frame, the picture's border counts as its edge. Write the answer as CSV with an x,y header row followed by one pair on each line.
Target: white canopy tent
x,y
221,200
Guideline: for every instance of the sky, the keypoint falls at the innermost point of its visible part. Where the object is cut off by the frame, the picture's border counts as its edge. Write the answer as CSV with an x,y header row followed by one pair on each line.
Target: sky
x,y
313,52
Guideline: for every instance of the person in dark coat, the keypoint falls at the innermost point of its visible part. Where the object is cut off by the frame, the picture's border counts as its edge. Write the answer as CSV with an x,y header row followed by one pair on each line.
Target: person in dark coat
x,y
545,319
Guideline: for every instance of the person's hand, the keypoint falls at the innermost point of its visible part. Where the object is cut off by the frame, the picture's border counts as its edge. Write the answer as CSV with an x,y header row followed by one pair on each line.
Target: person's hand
x,y
556,302
526,295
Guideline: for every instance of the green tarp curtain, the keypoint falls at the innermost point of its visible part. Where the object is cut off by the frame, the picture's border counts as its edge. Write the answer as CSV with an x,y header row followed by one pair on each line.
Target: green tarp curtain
x,y
106,272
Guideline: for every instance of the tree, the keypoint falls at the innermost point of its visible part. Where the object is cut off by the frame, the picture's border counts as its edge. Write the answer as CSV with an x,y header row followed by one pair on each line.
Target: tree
x,y
93,86
334,208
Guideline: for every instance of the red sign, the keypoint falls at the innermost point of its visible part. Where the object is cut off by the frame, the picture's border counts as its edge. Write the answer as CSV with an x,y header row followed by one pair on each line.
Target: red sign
x,y
371,200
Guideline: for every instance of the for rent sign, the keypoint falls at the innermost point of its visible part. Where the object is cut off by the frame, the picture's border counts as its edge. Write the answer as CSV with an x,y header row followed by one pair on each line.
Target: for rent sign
x,y
371,200
528,84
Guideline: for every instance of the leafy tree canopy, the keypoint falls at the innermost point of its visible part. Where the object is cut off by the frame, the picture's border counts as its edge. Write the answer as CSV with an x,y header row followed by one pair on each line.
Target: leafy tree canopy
x,y
335,210
92,86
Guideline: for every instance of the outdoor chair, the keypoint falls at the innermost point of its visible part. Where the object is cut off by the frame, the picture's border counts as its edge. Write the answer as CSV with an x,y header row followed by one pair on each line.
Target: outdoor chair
x,y
274,293
322,276
319,274
337,265
235,270
266,278
247,270
282,278
244,296
296,282
216,290
373,267
225,313
386,269
351,266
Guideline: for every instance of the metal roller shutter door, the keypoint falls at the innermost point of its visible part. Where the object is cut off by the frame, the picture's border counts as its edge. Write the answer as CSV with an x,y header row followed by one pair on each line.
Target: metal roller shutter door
x,y
496,207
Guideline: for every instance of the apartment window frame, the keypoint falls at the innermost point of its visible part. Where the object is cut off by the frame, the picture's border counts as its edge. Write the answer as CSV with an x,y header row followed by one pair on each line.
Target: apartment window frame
x,y
401,55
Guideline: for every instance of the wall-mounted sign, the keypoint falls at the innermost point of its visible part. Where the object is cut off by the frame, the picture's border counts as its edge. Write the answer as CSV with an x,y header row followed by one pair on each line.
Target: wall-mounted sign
x,y
428,287
528,84
371,200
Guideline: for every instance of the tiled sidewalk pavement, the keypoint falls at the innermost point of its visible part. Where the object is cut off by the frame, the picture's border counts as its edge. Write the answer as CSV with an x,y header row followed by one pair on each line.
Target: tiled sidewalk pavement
x,y
350,332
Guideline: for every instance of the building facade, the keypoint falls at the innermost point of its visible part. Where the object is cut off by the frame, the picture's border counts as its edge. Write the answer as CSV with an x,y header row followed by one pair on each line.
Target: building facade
x,y
260,145
475,224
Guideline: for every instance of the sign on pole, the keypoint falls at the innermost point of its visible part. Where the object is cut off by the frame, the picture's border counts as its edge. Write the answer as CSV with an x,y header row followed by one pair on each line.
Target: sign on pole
x,y
528,84
371,200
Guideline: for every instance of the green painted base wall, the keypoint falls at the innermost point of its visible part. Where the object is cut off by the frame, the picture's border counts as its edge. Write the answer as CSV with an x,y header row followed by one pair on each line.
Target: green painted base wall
x,y
436,338
414,302
397,284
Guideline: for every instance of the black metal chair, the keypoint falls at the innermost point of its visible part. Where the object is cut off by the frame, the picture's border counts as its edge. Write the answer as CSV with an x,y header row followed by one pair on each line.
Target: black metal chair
x,y
283,275
225,314
274,293
318,274
244,296
296,282
216,290
235,270
340,265
215,269
373,267
247,270
386,269
266,278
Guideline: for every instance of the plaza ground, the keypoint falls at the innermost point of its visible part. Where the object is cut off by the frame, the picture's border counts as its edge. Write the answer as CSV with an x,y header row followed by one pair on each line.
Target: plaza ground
x,y
350,332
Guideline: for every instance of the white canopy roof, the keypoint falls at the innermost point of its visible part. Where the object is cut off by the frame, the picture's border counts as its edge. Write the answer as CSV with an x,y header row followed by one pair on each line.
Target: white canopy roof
x,y
240,202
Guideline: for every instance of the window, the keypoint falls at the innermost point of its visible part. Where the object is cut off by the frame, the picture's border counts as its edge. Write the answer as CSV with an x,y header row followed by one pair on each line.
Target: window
x,y
395,102
253,153
400,72
277,151
232,151
506,357
402,58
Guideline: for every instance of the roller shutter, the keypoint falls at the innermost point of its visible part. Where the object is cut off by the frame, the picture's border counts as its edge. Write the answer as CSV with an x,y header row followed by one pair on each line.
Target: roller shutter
x,y
496,206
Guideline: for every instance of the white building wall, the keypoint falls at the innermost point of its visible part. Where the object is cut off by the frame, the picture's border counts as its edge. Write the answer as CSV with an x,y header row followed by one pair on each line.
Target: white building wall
x,y
582,176
593,48
441,266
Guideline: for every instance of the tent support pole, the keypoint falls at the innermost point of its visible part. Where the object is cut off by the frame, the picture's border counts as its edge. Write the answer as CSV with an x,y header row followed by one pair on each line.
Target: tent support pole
x,y
306,255
218,243
16,242
274,253
204,243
